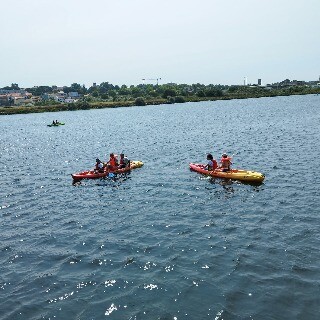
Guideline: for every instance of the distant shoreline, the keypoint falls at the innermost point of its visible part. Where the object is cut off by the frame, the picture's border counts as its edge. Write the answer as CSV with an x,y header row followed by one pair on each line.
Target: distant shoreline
x,y
120,104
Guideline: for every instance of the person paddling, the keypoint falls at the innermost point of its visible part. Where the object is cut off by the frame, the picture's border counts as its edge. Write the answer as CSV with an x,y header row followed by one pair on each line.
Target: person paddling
x,y
124,161
212,163
113,162
225,162
99,166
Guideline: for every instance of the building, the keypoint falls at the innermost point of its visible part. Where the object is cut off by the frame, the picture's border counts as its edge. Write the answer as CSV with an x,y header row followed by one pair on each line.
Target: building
x,y
4,101
74,95
19,101
60,96
70,100
15,97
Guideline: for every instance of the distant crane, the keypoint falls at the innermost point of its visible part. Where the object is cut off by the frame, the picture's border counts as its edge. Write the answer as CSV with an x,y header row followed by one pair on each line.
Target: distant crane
x,y
156,79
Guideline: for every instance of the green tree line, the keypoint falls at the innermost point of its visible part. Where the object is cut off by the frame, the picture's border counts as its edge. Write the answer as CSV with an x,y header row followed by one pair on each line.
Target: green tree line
x,y
105,92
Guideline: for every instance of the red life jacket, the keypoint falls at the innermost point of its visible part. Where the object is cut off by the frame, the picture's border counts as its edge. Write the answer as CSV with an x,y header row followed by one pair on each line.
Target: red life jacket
x,y
215,164
113,162
225,162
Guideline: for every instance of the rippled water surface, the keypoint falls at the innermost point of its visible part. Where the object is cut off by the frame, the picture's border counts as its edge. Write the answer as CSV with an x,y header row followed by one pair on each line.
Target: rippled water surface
x,y
163,242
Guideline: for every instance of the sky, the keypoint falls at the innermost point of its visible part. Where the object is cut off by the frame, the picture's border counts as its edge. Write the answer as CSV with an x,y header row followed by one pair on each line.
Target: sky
x,y
60,42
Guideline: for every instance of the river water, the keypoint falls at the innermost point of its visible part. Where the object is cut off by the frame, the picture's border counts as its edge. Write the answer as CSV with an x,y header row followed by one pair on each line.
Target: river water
x,y
162,242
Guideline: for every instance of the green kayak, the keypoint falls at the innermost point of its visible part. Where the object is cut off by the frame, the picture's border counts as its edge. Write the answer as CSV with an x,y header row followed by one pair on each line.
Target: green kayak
x,y
56,124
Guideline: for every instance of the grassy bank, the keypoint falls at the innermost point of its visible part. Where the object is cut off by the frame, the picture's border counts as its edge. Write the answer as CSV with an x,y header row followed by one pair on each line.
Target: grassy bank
x,y
74,106
82,105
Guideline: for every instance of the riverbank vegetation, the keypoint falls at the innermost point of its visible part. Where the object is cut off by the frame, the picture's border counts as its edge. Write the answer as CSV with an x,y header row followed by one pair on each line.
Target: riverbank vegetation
x,y
107,95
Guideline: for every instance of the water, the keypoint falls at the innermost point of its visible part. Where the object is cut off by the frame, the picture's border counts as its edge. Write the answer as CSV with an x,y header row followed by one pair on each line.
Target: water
x,y
164,242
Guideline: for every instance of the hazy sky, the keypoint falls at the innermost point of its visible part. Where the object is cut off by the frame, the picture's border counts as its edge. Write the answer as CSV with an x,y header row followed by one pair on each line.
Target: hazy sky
x,y
59,42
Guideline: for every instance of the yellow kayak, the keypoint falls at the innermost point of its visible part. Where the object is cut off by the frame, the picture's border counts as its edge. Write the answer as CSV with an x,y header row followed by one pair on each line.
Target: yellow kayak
x,y
234,174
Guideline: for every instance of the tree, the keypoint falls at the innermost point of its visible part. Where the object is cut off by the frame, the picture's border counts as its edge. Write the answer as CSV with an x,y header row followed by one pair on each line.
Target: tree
x,y
169,93
95,93
112,93
104,87
39,91
201,94
75,87
15,86
136,92
104,96
179,99
140,102
233,89
213,92
124,90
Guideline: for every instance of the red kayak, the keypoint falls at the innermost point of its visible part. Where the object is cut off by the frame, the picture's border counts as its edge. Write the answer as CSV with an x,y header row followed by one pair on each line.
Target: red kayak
x,y
234,174
91,174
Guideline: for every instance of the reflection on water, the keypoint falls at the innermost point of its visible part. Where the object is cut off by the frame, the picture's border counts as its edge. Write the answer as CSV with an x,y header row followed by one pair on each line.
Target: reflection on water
x,y
116,179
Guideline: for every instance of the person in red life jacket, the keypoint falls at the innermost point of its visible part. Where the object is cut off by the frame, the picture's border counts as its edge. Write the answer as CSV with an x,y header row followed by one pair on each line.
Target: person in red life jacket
x,y
225,162
124,161
212,163
99,166
113,162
